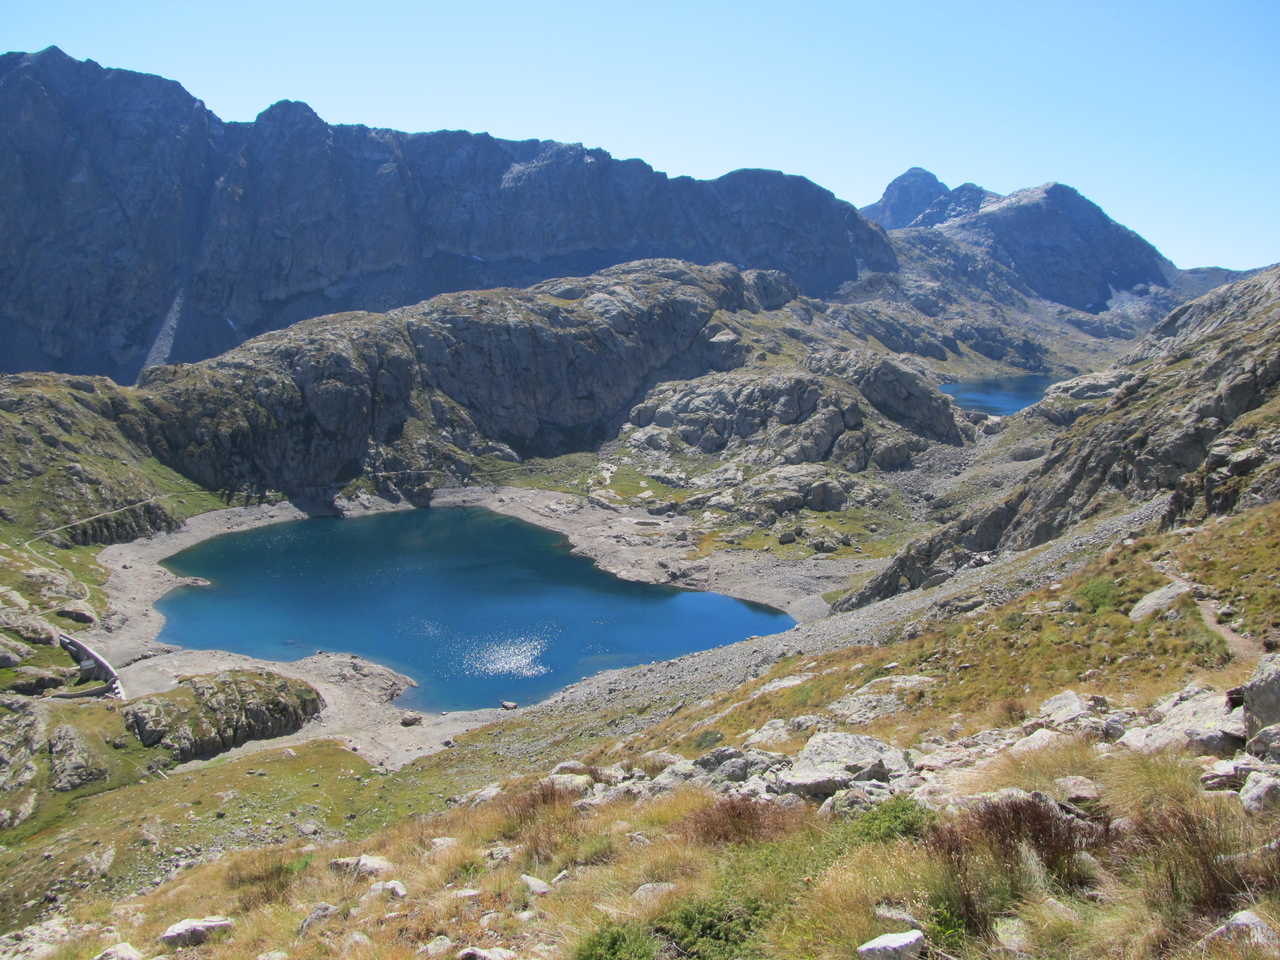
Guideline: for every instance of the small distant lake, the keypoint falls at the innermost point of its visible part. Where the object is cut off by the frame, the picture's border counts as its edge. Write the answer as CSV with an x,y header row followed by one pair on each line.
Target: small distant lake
x,y
1000,395
475,606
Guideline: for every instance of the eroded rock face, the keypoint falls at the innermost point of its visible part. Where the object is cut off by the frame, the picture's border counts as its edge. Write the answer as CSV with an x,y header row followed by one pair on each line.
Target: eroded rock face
x,y
184,222
72,765
207,715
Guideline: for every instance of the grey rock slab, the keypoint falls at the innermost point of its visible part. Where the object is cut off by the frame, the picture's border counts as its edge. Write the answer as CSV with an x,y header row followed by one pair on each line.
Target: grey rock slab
x,y
1265,743
1261,695
437,946
364,865
648,893
1244,928
194,931
536,886
319,912
1158,600
1261,792
486,953
121,951
1195,719
893,946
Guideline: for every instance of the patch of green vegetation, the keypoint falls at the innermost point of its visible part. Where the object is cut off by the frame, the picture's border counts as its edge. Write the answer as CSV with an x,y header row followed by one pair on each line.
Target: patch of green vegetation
x,y
898,817
1240,559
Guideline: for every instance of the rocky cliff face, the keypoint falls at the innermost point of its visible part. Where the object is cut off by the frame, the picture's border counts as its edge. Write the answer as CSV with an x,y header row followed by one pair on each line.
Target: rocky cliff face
x,y
208,715
1191,413
711,361
141,228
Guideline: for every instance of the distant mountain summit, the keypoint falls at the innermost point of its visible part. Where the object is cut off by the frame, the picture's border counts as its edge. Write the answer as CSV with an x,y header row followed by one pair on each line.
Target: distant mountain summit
x,y
905,198
140,228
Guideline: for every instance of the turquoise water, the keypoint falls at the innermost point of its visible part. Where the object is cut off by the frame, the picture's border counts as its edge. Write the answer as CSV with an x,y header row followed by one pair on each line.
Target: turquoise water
x,y
476,607
1001,396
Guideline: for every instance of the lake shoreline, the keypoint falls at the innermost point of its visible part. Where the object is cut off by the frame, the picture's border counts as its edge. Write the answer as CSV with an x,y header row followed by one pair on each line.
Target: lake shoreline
x,y
359,692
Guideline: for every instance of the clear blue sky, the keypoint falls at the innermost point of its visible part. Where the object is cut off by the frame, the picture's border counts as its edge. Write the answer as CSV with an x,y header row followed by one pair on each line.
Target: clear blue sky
x,y
1165,113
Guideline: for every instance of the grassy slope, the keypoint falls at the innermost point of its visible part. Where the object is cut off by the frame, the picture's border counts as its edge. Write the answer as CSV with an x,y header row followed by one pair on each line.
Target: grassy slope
x,y
792,887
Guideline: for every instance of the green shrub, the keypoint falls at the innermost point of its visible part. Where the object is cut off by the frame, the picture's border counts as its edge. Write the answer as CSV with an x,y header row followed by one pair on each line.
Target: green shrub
x,y
616,941
898,816
712,929
1098,594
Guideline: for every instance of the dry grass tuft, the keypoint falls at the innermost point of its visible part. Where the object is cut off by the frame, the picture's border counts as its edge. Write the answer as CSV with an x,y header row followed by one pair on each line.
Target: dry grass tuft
x,y
738,820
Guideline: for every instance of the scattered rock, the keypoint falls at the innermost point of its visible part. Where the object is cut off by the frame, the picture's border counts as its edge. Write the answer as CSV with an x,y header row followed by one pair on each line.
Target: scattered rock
x,y
192,932
1261,792
1078,789
490,953
1260,696
648,893
1158,600
318,913
391,889
121,951
539,888
437,946
362,866
893,946
1245,928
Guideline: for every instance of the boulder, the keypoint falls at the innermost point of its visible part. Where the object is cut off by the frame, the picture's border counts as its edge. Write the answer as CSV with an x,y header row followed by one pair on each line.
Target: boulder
x,y
570,782
1077,789
390,889
1039,740
193,932
319,912
1265,744
1261,792
648,893
13,653
876,699
1158,600
1260,696
71,765
1245,929
833,761
1231,774
364,865
437,946
1067,709
854,799
893,946
121,951
486,953
1195,719
537,887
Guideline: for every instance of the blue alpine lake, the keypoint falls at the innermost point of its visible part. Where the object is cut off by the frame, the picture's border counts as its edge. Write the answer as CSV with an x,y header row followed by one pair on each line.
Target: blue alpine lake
x,y
475,606
999,395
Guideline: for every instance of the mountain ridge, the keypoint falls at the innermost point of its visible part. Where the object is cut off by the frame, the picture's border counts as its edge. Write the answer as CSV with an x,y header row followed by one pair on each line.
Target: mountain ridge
x,y
193,234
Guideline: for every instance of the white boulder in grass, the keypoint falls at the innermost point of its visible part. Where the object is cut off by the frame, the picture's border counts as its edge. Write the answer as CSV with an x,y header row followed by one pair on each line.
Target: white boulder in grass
x,y
893,946
192,932
1245,929
364,865
536,886
1261,792
121,951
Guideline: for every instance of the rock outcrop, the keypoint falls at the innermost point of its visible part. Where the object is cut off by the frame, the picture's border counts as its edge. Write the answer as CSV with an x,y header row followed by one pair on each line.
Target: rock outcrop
x,y
206,715
191,234
1192,419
